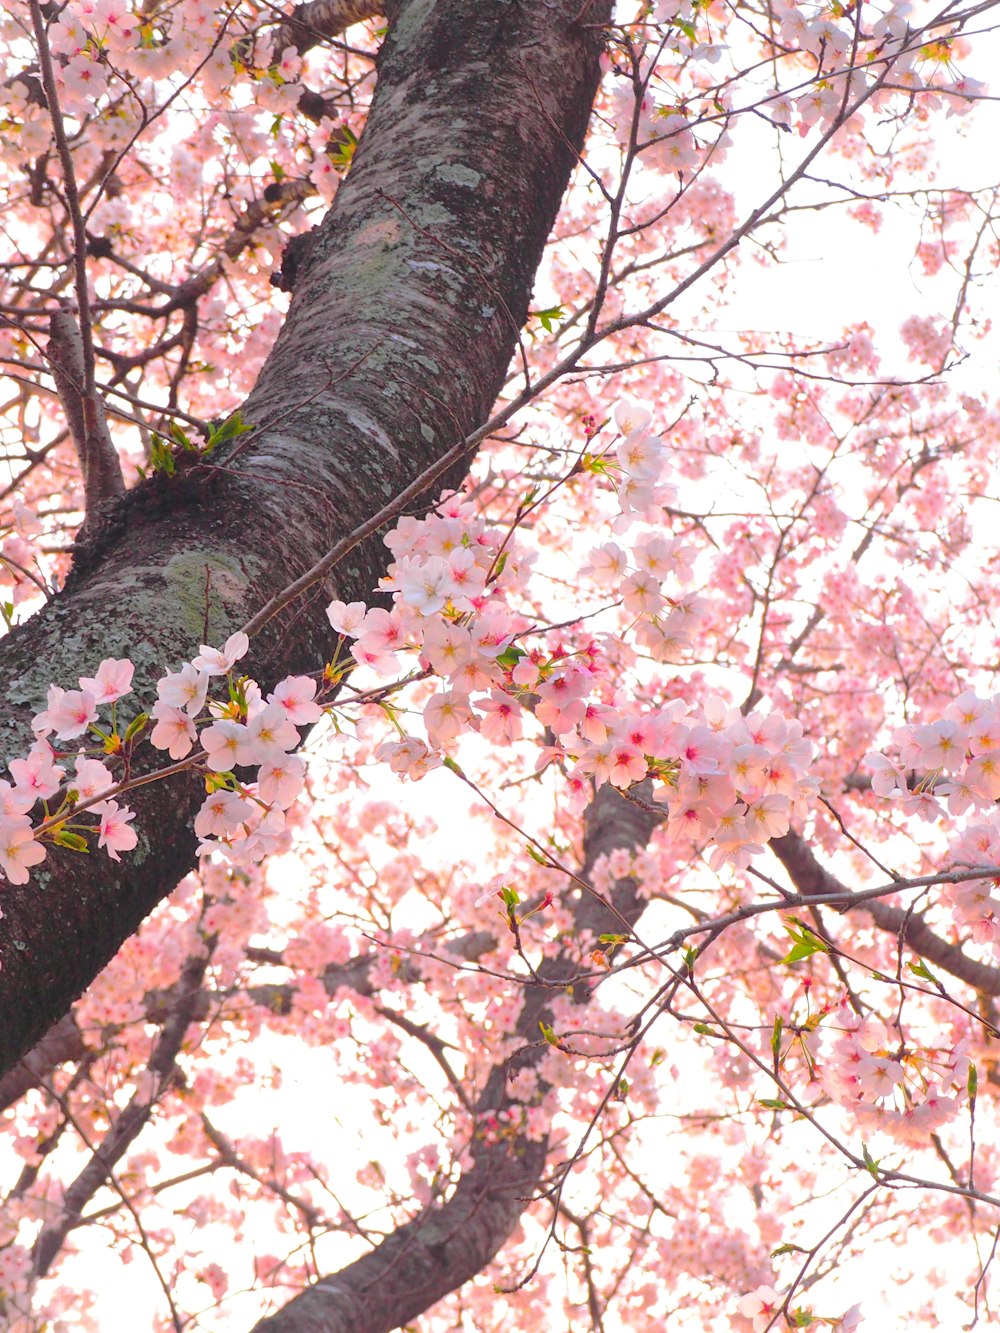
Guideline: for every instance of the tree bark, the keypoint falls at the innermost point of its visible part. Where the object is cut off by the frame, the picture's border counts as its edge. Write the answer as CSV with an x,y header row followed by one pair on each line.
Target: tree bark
x,y
400,331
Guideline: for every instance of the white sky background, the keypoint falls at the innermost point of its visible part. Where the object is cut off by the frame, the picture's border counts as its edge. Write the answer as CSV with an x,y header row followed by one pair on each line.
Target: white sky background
x,y
833,272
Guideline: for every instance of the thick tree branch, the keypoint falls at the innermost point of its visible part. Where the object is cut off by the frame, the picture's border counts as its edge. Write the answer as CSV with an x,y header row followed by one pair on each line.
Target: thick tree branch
x,y
810,877
421,273
64,1042
317,21
102,472
127,1127
448,1243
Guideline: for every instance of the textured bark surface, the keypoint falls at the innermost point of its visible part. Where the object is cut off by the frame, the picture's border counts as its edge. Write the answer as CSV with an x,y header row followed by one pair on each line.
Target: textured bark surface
x,y
448,1243
422,272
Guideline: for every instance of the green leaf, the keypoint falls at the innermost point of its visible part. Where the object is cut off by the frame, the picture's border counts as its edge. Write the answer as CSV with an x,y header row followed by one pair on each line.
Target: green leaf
x,y
598,465
64,838
136,725
343,153
548,1032
230,429
920,969
773,1103
538,856
509,897
611,939
703,1030
870,1162
161,456
547,318
806,944
776,1031
972,1083
789,1248
510,657
182,438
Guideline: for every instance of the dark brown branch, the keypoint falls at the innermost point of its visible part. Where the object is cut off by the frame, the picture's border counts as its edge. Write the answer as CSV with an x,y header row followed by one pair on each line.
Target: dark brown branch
x,y
102,472
810,877
448,1242
229,1156
318,20
62,1043
128,1125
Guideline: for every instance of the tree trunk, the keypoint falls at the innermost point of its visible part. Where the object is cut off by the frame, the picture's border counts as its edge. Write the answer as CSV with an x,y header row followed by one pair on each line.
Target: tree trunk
x,y
401,328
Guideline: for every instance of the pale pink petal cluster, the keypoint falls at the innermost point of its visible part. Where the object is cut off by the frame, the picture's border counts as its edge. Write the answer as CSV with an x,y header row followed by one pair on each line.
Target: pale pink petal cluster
x,y
220,661
761,1306
955,760
114,833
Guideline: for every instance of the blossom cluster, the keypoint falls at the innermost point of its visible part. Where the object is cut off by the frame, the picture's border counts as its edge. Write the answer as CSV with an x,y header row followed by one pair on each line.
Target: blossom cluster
x,y
851,63
453,620
245,731
886,1079
18,555
38,777
115,65
952,766
723,777
764,1305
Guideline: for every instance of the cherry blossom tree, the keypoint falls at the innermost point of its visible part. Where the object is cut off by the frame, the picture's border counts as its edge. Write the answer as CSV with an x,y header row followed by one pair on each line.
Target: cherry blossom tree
x,y
454,680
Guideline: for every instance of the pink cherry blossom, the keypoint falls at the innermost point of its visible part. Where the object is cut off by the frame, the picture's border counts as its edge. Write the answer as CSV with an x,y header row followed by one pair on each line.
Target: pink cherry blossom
x,y
219,661
174,731
347,618
15,801
424,585
68,713
221,815
761,1306
91,778
38,775
296,696
18,849
114,833
501,718
410,758
267,736
446,713
112,681
223,742
281,780
186,689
